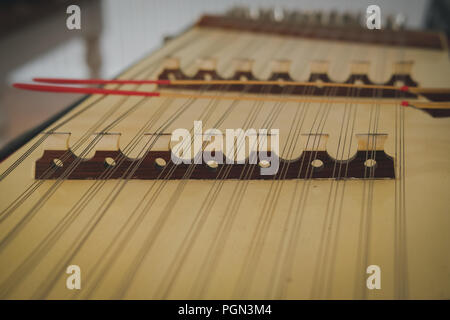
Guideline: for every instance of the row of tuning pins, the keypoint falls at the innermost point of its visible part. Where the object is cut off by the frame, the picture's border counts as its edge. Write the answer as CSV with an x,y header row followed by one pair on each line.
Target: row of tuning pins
x,y
314,18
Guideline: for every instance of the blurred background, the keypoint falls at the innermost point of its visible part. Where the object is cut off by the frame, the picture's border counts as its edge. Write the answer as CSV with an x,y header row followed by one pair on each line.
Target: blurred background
x,y
35,42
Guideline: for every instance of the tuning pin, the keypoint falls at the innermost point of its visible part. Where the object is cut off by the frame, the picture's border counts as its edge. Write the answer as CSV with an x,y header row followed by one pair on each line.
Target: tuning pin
x,y
350,20
359,19
390,22
296,17
278,14
346,19
303,17
254,13
311,18
265,14
399,22
271,14
316,18
239,12
289,16
329,18
333,18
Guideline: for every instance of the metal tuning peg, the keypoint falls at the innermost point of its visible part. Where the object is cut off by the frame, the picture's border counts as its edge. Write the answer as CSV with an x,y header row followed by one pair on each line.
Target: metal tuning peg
x,y
290,16
333,18
359,19
278,14
254,13
389,22
399,22
350,20
272,14
239,12
296,17
346,19
316,17
265,14
308,16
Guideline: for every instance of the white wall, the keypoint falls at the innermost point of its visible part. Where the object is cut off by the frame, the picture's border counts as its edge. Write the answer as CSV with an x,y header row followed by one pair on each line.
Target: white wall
x,y
133,28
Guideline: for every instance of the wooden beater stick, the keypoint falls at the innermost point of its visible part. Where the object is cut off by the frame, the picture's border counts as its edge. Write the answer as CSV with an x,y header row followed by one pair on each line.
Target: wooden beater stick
x,y
63,89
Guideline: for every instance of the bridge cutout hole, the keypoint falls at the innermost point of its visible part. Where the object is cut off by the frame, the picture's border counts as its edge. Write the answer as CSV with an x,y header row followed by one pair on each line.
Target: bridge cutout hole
x,y
399,83
207,77
171,76
57,163
319,83
317,164
160,163
109,162
212,164
370,163
264,164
